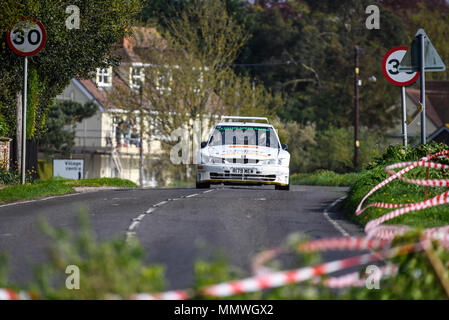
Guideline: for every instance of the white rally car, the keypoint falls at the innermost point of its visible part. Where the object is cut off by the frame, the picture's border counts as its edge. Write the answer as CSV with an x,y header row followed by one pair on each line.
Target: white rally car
x,y
243,152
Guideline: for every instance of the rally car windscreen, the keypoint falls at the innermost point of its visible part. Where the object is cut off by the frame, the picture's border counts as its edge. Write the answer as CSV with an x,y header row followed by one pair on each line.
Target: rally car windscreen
x,y
244,135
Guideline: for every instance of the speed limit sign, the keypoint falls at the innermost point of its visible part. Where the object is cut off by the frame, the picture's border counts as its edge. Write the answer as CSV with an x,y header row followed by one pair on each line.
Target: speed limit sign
x,y
27,37
390,68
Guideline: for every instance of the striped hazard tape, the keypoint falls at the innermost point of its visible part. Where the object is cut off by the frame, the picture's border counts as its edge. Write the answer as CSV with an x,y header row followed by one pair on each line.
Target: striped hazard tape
x,y
379,237
277,279
354,279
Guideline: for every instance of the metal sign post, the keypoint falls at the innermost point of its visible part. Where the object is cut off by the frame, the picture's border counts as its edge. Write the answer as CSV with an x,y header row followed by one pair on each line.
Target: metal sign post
x,y
391,72
24,120
26,38
404,117
422,57
423,90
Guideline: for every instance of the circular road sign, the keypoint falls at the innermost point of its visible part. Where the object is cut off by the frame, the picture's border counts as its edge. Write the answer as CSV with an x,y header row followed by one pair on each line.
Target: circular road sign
x,y
27,37
390,68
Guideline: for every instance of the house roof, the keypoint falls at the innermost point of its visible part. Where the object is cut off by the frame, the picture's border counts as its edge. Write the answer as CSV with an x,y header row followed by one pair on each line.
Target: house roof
x,y
128,49
431,111
438,93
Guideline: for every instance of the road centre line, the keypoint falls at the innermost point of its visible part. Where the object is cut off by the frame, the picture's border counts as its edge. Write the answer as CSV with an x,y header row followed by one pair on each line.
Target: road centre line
x,y
332,221
136,221
192,195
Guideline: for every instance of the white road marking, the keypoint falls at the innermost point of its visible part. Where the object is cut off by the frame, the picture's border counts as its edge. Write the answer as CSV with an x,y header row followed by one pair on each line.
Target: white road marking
x,y
150,210
332,221
133,225
43,199
136,221
139,218
192,195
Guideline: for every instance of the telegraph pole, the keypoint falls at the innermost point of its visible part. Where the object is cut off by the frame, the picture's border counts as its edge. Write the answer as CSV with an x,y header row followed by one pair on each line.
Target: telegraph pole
x,y
141,138
356,108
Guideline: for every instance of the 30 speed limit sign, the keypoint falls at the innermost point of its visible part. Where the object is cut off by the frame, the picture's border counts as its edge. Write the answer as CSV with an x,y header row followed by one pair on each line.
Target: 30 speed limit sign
x,y
27,37
390,68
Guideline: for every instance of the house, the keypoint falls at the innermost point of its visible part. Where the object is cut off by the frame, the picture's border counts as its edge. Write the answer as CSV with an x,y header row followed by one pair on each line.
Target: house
x,y
437,114
109,141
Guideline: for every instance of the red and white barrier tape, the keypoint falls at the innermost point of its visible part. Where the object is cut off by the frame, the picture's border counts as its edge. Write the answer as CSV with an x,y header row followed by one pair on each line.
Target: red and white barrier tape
x,y
354,279
277,279
169,295
346,243
378,237
7,294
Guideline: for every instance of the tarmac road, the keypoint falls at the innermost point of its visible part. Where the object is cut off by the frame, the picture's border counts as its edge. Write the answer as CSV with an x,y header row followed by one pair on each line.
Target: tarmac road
x,y
181,225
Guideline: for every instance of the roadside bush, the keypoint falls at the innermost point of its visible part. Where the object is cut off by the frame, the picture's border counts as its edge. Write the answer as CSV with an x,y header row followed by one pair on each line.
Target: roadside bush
x,y
330,149
398,153
398,191
324,178
107,269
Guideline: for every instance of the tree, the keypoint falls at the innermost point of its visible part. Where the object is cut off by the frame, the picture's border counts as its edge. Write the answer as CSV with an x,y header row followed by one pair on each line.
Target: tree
x,y
305,50
68,53
57,140
435,22
189,80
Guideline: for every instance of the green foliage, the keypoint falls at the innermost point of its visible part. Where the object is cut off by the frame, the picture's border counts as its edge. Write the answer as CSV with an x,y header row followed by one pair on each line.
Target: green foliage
x,y
329,149
4,127
51,187
68,53
436,24
98,182
32,102
324,178
399,153
58,140
398,191
115,269
305,50
9,175
107,270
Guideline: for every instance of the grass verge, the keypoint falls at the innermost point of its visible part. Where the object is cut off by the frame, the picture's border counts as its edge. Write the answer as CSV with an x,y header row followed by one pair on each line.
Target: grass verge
x,y
324,178
56,186
397,191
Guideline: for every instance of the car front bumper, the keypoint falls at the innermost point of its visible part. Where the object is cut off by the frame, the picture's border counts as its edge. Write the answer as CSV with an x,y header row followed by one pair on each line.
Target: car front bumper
x,y
243,174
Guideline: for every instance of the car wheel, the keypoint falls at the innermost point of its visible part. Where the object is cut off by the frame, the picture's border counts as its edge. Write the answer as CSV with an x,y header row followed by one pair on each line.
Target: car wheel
x,y
200,185
286,188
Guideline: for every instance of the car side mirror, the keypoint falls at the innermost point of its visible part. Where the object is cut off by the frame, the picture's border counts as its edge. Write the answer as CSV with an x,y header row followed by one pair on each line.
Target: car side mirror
x,y
285,147
203,144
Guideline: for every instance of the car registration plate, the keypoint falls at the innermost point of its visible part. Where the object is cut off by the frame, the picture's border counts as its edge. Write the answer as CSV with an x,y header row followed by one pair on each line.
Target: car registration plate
x,y
242,170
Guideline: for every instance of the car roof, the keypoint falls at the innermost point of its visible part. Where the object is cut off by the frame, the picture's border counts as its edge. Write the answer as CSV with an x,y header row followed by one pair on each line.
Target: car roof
x,y
248,124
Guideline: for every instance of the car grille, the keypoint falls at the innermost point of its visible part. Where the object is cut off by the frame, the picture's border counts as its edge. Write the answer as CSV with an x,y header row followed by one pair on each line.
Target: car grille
x,y
243,177
240,161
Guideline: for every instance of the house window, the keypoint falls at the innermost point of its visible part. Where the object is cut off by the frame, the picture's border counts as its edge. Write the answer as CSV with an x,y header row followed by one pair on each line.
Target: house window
x,y
136,77
163,82
104,77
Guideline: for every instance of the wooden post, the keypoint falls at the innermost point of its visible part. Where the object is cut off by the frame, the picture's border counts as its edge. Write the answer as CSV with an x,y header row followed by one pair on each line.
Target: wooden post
x,y
18,146
426,188
438,267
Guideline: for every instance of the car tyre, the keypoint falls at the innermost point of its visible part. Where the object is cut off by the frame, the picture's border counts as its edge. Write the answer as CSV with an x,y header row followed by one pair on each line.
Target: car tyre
x,y
285,188
200,185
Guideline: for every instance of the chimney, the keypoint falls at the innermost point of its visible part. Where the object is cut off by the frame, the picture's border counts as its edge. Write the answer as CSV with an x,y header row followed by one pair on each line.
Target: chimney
x,y
128,44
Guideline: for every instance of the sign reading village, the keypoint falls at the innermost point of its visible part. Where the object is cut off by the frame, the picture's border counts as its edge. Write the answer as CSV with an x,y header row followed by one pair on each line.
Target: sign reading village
x,y
68,168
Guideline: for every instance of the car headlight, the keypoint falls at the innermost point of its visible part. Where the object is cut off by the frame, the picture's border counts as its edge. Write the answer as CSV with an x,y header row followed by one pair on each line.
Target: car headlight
x,y
204,159
209,159
270,162
215,160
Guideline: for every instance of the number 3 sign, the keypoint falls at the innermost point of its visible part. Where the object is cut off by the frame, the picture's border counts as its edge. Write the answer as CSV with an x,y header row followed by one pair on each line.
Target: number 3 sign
x,y
390,68
27,37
